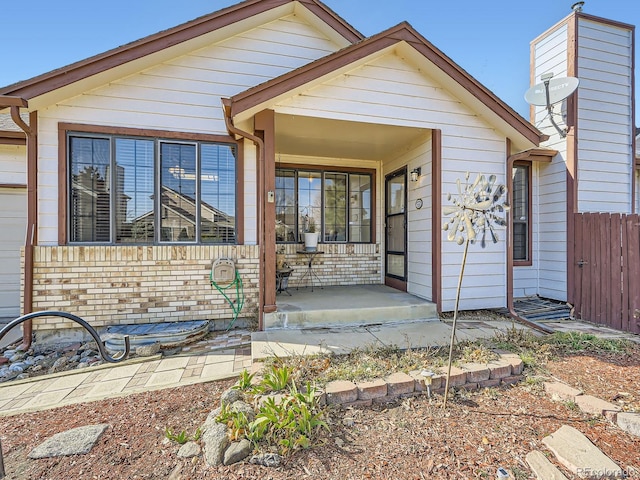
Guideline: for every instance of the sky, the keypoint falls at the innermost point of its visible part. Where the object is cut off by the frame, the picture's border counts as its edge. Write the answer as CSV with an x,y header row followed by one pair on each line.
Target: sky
x,y
488,38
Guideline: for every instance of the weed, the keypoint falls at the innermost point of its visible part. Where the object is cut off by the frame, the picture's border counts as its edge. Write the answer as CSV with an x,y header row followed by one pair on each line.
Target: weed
x,y
276,379
244,382
182,437
571,405
585,342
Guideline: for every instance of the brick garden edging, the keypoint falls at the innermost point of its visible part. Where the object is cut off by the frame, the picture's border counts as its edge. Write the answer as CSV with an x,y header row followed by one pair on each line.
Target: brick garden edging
x,y
506,370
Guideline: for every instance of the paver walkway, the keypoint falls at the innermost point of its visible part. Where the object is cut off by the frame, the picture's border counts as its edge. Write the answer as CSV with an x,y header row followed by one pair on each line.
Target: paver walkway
x,y
220,357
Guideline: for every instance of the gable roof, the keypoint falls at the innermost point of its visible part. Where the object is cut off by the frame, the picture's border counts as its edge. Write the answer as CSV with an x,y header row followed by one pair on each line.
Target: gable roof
x,y
403,32
102,62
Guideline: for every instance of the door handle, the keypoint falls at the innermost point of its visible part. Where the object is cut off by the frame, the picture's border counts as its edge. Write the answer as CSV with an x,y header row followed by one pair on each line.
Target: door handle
x,y
582,263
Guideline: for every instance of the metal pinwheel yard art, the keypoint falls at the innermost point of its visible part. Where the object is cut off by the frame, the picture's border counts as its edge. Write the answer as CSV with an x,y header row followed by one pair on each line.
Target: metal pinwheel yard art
x,y
476,210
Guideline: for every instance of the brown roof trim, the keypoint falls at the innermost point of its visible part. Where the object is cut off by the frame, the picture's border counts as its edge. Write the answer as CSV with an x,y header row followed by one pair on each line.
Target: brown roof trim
x,y
159,41
607,21
401,32
534,155
9,137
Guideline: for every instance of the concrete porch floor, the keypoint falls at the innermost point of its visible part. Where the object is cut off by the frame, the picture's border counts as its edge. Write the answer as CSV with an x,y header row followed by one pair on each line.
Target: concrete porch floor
x,y
339,319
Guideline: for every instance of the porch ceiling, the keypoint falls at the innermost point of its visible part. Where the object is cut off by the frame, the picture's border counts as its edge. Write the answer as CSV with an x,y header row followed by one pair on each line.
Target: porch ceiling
x,y
320,137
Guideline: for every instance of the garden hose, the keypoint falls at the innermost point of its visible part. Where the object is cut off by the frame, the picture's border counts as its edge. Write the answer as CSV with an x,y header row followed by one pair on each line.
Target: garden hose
x,y
236,306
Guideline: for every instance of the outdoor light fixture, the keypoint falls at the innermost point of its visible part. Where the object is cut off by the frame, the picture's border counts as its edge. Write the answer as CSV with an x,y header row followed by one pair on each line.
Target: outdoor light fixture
x,y
415,173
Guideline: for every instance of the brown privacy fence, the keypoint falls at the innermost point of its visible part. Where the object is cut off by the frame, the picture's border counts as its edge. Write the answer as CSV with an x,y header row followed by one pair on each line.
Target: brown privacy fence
x,y
607,270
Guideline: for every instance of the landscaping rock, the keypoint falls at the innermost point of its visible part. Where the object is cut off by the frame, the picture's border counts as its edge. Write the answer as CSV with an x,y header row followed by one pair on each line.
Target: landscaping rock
x,y
341,391
189,450
237,451
399,384
593,405
561,391
542,467
629,422
216,441
148,350
77,441
267,460
576,452
231,396
373,389
477,373
240,406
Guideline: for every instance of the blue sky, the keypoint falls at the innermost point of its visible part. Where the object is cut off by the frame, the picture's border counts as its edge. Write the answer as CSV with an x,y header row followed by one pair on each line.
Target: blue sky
x,y
488,38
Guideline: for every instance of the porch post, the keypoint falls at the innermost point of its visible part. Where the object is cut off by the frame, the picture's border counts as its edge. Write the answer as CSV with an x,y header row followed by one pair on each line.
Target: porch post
x,y
265,127
436,218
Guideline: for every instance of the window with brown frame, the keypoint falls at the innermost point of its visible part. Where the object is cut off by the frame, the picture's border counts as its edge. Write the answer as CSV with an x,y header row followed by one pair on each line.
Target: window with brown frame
x,y
521,212
133,190
336,204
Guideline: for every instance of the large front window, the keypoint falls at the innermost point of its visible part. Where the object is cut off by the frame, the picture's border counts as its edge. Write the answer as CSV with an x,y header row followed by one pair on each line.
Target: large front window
x,y
126,190
335,204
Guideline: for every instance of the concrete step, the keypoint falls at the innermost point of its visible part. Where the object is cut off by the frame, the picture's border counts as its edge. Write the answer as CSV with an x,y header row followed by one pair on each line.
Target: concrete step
x,y
353,305
350,316
581,457
542,467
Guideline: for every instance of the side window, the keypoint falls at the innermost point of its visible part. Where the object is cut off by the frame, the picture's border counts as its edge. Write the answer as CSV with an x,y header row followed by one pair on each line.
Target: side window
x,y
521,211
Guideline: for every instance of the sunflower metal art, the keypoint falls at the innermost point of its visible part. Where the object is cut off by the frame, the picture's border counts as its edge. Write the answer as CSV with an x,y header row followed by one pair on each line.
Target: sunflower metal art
x,y
476,209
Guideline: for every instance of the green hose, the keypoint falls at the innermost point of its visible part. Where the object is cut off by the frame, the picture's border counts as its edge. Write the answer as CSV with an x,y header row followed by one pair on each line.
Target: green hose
x,y
236,306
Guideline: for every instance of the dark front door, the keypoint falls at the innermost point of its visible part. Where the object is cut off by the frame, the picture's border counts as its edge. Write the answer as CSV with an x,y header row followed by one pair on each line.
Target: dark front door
x,y
396,230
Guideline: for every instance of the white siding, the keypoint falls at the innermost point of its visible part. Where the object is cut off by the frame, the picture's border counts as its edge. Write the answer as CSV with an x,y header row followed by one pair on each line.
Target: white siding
x,y
183,95
550,252
390,91
13,224
605,127
419,221
13,164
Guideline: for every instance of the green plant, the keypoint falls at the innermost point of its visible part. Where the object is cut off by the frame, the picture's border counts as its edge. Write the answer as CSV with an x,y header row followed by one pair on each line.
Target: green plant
x,y
276,379
289,424
236,422
182,437
244,381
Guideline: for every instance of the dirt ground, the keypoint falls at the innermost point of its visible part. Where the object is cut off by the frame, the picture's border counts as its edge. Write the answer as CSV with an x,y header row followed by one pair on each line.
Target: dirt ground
x,y
411,439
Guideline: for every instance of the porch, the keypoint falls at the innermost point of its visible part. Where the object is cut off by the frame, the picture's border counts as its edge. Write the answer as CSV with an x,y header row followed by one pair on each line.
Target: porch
x,y
337,319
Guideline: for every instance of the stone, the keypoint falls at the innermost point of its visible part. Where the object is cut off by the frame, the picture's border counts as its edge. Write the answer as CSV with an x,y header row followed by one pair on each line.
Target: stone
x,y
542,467
230,396
77,441
511,380
17,367
74,359
457,378
237,451
88,353
61,362
341,391
16,357
581,457
476,373
561,391
499,369
9,353
189,450
373,389
593,405
216,440
491,383
517,365
399,383
240,406
629,422
148,350
267,460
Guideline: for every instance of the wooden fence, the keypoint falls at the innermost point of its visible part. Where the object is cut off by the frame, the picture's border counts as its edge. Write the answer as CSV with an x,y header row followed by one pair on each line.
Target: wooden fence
x,y
607,270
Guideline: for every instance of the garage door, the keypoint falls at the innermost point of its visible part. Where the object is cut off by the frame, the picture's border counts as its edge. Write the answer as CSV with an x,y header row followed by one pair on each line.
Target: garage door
x,y
13,221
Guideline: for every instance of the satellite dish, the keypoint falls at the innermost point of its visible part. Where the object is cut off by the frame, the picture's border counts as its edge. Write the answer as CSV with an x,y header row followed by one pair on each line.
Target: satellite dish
x,y
558,89
549,92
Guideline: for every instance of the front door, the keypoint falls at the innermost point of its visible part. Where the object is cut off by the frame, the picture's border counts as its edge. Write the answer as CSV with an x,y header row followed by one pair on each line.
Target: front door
x,y
396,230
